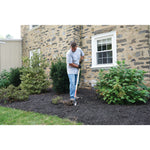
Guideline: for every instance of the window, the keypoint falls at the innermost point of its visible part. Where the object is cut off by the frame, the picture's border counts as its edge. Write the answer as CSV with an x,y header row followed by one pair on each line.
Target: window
x,y
104,50
33,26
32,51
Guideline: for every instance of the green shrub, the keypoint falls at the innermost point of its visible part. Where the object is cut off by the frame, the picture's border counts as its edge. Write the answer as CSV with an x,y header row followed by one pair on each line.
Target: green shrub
x,y
15,76
12,93
33,77
56,100
122,85
59,76
4,79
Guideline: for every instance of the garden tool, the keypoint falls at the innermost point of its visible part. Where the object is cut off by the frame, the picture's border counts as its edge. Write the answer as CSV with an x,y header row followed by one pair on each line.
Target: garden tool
x,y
75,96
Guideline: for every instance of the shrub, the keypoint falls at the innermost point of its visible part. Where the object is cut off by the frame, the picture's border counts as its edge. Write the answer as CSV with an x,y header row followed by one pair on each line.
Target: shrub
x,y
59,76
122,85
4,79
57,100
12,93
15,76
33,77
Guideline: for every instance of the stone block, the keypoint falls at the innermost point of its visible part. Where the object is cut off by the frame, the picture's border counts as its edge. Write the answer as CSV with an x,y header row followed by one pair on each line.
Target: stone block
x,y
143,31
137,54
120,50
119,36
133,41
53,38
138,63
148,67
122,41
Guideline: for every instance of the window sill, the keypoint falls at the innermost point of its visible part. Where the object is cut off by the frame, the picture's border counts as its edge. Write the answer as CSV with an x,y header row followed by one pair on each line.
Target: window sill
x,y
103,66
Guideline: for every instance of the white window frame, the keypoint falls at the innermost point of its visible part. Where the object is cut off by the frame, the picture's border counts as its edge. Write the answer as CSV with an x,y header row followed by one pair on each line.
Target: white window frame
x,y
31,27
97,37
31,54
32,51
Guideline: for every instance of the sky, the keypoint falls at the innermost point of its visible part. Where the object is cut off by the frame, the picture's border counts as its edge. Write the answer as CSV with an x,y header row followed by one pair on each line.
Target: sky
x,y
15,13
13,30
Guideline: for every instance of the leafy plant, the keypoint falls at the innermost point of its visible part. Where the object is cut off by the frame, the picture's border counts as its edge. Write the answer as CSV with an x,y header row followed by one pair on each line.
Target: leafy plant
x,y
33,77
4,79
15,76
122,85
59,76
56,100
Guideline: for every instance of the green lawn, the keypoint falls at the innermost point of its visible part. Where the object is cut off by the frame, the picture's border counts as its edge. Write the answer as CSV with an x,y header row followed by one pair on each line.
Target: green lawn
x,y
10,116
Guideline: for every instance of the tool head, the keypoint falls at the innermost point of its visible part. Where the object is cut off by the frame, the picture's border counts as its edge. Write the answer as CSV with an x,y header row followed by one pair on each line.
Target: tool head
x,y
75,103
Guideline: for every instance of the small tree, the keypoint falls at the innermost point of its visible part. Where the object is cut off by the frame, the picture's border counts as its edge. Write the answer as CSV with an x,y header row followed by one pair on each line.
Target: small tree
x,y
33,77
59,76
8,36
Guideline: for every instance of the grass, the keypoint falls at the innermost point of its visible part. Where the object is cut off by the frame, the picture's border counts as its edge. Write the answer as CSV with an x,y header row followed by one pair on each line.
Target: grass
x,y
11,116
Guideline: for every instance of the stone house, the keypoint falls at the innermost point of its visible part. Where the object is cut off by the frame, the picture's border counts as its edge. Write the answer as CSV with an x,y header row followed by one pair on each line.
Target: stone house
x,y
103,45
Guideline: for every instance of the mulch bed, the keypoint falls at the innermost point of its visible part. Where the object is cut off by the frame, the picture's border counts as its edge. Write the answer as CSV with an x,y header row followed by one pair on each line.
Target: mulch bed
x,y
89,111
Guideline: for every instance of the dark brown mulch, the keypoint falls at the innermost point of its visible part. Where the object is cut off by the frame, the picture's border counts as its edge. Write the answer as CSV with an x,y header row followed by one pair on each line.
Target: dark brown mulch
x,y
89,111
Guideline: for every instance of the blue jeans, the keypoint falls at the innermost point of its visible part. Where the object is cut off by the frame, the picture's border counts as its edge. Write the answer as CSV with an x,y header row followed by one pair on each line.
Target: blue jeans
x,y
72,87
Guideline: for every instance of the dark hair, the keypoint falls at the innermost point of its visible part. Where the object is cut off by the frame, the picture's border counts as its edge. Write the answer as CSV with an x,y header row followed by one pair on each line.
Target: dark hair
x,y
73,44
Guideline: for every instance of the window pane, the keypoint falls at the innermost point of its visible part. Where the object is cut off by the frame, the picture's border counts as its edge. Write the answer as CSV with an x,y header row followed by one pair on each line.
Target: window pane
x,y
104,54
109,40
109,46
99,48
109,54
104,41
104,47
109,60
99,42
99,58
99,61
99,55
104,60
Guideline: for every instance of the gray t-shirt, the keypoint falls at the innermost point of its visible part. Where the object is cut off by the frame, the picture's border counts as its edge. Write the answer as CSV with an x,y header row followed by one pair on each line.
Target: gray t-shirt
x,y
73,57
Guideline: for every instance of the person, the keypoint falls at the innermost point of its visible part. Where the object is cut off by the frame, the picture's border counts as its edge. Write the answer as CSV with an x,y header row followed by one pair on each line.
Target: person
x,y
74,58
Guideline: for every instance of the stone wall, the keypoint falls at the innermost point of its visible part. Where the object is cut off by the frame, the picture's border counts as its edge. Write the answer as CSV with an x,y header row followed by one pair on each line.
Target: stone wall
x,y
133,45
52,40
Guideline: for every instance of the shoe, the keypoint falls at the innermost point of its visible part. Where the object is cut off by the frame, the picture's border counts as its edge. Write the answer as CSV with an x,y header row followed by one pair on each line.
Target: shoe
x,y
71,99
77,97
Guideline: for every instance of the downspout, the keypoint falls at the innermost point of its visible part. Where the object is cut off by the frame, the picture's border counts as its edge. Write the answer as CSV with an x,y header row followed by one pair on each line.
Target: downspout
x,y
80,36
0,58
149,37
149,47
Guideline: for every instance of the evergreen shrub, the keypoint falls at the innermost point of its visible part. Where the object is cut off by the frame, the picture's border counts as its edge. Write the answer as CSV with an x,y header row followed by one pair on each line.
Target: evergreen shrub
x,y
58,74
12,93
33,77
15,76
